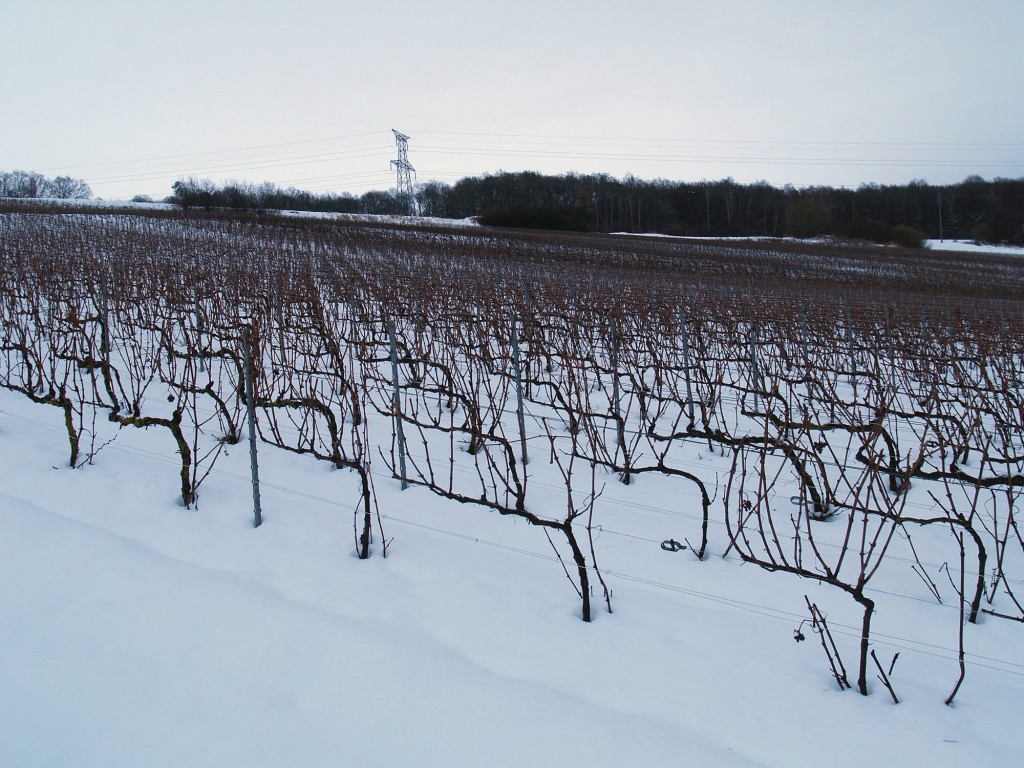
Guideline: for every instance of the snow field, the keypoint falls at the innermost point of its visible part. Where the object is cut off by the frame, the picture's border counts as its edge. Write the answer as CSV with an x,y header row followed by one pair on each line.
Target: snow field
x,y
138,632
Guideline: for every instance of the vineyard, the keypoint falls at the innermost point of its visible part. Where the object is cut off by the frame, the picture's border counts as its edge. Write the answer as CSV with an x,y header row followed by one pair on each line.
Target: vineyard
x,y
839,414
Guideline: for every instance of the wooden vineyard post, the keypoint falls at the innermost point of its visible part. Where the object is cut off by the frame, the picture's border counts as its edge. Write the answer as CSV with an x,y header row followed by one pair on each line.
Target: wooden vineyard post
x,y
807,356
397,404
105,317
526,311
517,364
250,405
686,366
199,330
754,383
853,354
890,342
620,423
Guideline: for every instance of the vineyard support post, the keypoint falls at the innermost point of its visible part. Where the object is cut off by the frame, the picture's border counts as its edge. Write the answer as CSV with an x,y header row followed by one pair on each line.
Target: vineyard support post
x,y
686,365
620,424
397,404
754,383
353,313
853,353
250,405
517,363
890,341
105,317
526,311
807,356
199,330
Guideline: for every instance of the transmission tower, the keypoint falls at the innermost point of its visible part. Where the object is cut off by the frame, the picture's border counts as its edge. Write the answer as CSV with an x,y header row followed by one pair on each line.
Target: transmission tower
x,y
404,172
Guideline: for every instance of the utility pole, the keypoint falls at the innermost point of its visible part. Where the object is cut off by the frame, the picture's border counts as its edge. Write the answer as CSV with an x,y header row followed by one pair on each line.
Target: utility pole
x,y
940,218
404,172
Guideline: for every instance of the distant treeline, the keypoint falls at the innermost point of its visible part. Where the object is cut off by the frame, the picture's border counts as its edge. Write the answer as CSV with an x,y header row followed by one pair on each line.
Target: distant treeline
x,y
203,193
26,185
989,211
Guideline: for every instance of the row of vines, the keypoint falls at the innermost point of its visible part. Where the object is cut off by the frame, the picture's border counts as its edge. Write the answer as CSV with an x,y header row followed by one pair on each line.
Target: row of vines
x,y
850,402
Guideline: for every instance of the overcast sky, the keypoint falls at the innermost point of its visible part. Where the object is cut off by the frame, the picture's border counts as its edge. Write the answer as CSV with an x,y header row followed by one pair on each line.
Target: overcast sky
x,y
133,95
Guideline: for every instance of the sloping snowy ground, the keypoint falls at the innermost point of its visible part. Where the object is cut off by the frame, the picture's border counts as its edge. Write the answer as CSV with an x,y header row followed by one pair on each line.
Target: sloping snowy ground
x,y
970,246
966,246
962,246
134,632
356,218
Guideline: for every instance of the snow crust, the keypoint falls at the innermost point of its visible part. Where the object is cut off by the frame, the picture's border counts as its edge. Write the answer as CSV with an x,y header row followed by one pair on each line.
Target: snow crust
x,y
962,246
360,218
136,632
970,246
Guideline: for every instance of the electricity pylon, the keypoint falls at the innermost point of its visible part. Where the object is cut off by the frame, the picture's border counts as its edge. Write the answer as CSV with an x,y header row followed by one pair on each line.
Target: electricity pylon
x,y
404,172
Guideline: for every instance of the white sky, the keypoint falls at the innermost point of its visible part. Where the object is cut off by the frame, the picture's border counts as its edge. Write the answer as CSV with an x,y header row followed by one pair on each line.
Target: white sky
x,y
133,95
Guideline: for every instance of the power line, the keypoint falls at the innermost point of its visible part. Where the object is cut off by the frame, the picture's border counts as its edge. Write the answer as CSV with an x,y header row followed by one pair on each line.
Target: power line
x,y
732,142
213,152
610,149
728,159
281,162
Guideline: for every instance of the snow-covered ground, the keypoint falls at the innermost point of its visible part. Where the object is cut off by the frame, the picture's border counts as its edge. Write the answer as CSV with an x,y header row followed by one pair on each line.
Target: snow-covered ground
x,y
963,246
135,632
361,218
374,218
970,246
